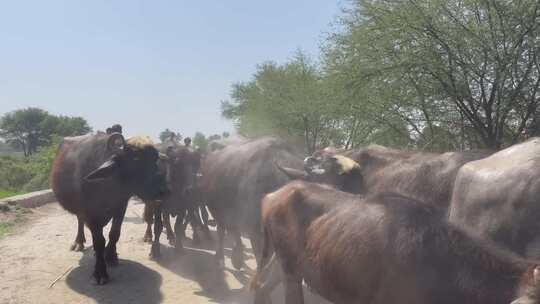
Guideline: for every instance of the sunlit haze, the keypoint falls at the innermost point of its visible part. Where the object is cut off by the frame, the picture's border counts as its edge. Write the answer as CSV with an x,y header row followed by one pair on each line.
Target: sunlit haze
x,y
148,65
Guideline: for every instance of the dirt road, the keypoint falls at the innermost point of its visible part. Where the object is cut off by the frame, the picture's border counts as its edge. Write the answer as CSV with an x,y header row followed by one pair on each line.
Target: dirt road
x,y
33,256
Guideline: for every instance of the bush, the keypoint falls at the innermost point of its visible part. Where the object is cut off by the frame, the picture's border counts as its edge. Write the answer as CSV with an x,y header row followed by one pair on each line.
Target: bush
x,y
27,174
40,181
6,193
13,173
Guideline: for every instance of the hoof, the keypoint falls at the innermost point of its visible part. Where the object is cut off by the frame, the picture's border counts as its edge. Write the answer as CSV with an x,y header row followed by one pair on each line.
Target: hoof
x,y
111,259
196,239
262,299
212,223
77,247
237,257
101,278
172,241
147,239
220,262
179,250
155,253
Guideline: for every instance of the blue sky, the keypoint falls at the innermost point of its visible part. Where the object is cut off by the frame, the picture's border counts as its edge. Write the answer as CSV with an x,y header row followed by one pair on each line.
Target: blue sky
x,y
148,65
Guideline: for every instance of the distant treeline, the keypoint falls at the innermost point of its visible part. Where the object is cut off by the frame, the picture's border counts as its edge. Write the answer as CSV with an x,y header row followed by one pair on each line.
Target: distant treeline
x,y
29,140
435,75
28,143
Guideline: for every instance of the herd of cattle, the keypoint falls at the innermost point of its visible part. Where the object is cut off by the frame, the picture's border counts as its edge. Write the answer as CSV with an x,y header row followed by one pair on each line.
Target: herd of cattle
x,y
373,225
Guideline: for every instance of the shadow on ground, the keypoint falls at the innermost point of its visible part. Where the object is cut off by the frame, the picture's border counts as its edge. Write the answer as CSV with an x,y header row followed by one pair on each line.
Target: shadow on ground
x,y
200,266
130,282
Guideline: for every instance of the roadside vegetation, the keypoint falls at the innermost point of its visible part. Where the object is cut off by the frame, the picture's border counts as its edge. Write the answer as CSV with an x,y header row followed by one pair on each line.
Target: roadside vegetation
x,y
433,75
10,216
29,139
28,142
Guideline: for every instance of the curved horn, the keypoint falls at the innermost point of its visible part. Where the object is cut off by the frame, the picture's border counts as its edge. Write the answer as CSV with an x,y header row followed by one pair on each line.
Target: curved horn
x,y
309,160
116,142
290,172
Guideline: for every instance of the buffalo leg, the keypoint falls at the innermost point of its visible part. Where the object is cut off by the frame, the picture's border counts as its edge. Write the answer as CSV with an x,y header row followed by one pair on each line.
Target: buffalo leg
x,y
220,257
185,221
111,256
100,269
178,226
167,223
148,218
158,228
237,257
268,272
78,245
204,220
196,224
293,289
268,284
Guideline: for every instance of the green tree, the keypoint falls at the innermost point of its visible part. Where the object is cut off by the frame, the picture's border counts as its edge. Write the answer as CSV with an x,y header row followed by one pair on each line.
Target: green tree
x,y
23,128
214,137
168,135
31,128
289,100
456,65
200,141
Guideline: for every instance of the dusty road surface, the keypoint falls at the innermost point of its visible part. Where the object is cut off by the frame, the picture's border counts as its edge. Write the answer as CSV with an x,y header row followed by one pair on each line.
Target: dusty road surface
x,y
33,256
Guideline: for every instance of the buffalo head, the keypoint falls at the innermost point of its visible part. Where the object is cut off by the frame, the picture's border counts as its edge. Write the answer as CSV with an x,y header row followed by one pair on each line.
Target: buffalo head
x,y
134,164
337,170
182,165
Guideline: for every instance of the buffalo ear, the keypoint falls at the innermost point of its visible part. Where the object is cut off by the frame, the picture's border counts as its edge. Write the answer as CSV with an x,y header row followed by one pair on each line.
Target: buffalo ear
x,y
107,169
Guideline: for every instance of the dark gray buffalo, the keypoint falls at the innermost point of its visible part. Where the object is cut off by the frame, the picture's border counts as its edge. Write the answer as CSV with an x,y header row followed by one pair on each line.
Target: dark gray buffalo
x,y
423,176
234,179
93,177
182,165
499,198
383,249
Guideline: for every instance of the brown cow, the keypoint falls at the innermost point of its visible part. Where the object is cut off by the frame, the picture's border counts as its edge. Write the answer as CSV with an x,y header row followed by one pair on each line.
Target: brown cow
x,y
383,249
93,177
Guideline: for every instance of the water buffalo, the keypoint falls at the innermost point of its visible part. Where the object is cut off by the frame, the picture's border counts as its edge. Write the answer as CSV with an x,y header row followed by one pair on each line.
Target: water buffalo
x,y
234,179
383,249
93,177
181,165
497,197
424,176
219,144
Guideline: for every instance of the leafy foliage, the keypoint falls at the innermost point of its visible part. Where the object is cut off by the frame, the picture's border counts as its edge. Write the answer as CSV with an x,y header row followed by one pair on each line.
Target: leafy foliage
x,y
436,75
468,67
170,136
289,100
200,141
31,128
28,174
